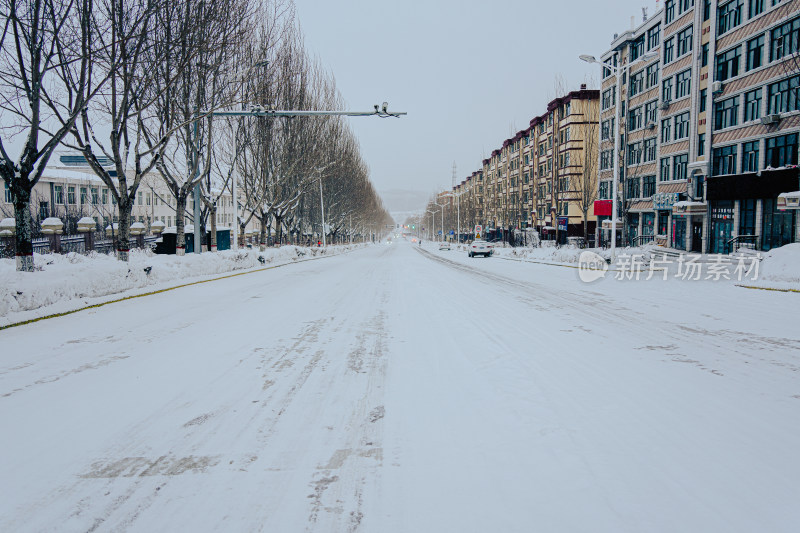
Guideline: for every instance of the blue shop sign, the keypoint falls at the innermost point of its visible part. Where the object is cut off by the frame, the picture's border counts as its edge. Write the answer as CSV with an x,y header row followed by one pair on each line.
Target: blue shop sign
x,y
664,200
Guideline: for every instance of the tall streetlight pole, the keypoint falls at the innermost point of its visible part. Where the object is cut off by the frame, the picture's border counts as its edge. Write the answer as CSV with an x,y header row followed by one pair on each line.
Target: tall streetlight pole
x,y
433,222
617,126
441,208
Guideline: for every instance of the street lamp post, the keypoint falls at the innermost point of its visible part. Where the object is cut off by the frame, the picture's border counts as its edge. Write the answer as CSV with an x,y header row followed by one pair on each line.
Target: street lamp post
x,y
441,208
433,223
614,185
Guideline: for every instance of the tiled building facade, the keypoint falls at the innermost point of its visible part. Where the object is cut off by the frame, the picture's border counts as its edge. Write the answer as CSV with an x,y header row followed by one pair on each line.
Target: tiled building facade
x,y
710,124
543,177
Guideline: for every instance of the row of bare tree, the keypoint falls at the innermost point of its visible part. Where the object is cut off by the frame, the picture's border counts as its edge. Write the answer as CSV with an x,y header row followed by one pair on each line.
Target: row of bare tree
x,y
136,82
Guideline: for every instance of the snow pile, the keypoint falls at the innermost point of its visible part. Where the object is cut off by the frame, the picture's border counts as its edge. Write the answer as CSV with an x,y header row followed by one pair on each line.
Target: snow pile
x,y
563,254
66,282
782,264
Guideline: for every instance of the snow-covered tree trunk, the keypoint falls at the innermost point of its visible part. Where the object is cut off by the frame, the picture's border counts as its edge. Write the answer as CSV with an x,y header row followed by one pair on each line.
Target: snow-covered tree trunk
x,y
124,235
180,227
262,238
212,218
24,229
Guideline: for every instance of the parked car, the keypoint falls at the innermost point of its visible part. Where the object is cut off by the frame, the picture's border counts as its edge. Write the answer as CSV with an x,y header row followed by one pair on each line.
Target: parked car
x,y
480,247
444,245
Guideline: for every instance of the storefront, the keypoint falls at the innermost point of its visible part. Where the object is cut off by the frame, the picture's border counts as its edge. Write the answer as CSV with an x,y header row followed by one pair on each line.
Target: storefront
x,y
721,227
678,232
745,209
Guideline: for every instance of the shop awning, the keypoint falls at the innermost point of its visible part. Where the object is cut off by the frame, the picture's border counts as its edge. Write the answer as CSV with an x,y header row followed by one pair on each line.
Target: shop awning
x,y
670,188
645,205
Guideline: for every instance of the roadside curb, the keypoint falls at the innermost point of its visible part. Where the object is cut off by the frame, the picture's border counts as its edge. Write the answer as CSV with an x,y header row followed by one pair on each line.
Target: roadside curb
x,y
753,287
150,293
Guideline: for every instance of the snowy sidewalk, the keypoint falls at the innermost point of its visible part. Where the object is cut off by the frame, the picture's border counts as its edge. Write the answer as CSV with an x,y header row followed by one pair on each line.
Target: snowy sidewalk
x,y
65,283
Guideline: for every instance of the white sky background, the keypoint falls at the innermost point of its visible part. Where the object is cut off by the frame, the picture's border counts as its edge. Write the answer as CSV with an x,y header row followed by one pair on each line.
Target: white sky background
x,y
470,73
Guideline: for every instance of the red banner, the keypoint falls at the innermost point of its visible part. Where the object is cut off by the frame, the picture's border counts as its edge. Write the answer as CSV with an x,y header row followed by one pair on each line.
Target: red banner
x,y
602,208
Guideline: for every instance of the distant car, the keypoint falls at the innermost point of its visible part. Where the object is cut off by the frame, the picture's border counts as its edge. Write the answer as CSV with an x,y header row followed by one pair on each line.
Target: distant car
x,y
480,247
444,245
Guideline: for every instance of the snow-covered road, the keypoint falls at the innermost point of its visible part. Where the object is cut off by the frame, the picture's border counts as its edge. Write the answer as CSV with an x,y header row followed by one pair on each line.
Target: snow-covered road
x,y
402,389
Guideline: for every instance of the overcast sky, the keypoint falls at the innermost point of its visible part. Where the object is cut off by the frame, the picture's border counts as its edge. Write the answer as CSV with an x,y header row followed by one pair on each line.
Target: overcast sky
x,y
470,73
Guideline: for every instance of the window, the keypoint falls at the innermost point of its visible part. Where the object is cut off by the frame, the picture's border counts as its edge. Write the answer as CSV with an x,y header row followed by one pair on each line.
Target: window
x,y
632,189
669,50
669,11
685,5
781,151
606,159
43,211
683,83
609,97
784,39
726,113
685,41
634,153
706,10
704,55
84,196
603,190
755,52
724,160
653,36
58,192
728,64
682,126
782,96
666,91
664,174
139,195
636,48
701,144
606,129
105,196
752,105
649,149
755,7
648,186
703,99
750,156
652,75
637,83
650,111
635,119
679,163
71,195
95,196
729,16
8,194
666,130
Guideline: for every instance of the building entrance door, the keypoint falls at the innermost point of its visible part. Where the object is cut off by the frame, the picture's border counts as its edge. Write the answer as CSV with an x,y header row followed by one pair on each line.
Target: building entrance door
x,y
697,237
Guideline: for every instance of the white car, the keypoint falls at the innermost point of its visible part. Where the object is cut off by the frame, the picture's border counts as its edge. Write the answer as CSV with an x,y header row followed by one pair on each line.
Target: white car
x,y
480,247
444,245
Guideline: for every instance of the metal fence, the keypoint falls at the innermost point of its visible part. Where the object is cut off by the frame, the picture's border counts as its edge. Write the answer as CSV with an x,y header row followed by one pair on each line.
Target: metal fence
x,y
71,243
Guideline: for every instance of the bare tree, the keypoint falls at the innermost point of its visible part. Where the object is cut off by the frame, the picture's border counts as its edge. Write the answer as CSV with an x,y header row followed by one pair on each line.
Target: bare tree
x,y
46,80
140,37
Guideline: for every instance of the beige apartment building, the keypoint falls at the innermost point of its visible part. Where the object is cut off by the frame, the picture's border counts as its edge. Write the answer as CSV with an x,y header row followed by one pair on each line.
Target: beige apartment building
x,y
544,177
709,128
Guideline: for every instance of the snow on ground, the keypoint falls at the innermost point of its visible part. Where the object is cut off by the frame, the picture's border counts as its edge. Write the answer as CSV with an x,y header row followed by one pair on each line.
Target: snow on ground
x,y
73,281
402,388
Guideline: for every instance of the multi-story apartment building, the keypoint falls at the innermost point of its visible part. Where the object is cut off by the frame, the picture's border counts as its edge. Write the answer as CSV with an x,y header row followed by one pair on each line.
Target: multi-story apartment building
x,y
709,125
544,176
